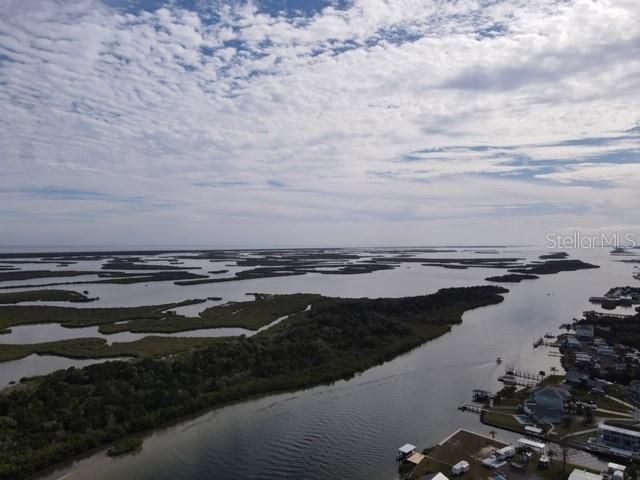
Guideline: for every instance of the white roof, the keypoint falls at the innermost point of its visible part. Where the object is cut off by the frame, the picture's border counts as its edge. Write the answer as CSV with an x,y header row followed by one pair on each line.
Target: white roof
x,y
532,444
508,448
461,463
531,429
616,466
407,448
582,475
440,476
623,431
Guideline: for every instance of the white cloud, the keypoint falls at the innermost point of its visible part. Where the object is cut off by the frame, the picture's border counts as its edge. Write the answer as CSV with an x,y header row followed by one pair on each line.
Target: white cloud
x,y
178,120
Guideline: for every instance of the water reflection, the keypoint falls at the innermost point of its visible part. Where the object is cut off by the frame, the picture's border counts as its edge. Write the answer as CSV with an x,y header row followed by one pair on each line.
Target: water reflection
x,y
351,429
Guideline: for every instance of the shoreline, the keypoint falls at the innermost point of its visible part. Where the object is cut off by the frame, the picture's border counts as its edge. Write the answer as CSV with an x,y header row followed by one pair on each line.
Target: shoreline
x,y
309,378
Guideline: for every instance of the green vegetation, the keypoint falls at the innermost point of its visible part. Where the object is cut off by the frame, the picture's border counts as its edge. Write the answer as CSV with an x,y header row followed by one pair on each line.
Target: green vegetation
x,y
71,317
512,278
293,269
505,420
463,445
147,347
138,264
473,448
251,315
44,296
73,410
126,445
157,318
553,266
16,275
554,256
106,277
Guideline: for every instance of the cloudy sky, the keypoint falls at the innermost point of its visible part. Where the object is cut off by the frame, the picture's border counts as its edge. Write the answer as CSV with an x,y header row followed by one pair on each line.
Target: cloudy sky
x,y
312,122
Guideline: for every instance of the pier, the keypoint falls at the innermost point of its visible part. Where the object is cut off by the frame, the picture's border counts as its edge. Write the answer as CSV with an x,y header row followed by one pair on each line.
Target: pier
x,y
522,378
482,395
470,407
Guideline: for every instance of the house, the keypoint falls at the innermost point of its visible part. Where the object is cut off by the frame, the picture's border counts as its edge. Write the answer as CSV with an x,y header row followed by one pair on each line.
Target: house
x,y
572,342
606,351
551,397
583,475
547,404
583,358
435,476
585,332
575,378
619,436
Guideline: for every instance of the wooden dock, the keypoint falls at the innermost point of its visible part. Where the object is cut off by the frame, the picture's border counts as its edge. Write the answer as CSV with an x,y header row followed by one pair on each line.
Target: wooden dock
x,y
470,407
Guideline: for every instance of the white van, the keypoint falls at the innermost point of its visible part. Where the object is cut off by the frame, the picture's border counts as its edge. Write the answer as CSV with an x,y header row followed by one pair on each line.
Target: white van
x,y
506,452
460,468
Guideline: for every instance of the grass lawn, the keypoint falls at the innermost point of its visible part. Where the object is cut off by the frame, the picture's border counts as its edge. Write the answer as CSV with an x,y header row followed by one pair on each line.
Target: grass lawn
x,y
463,445
503,420
601,401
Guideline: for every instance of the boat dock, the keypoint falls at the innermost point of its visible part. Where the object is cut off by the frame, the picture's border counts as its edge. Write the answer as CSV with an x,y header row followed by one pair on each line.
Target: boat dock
x,y
470,407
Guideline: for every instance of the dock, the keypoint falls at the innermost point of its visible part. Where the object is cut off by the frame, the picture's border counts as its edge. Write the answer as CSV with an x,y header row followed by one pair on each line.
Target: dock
x,y
470,407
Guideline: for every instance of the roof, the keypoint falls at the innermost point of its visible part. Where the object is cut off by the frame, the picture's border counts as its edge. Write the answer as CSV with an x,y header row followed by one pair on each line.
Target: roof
x,y
616,466
546,414
583,475
553,392
622,429
530,443
508,448
416,458
437,476
407,448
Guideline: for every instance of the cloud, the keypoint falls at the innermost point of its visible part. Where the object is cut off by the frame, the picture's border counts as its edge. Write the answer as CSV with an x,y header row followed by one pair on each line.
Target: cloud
x,y
213,116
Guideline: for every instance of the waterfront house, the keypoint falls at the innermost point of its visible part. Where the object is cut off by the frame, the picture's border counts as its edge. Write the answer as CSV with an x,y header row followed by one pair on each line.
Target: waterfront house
x,y
619,436
606,351
572,342
583,359
585,332
547,404
575,378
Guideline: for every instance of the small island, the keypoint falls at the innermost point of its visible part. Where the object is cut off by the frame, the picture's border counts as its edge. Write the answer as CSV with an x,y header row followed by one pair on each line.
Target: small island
x,y
554,256
512,278
335,339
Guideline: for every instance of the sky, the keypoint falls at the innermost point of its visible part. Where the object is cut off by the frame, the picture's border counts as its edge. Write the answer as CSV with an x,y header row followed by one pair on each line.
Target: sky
x,y
317,123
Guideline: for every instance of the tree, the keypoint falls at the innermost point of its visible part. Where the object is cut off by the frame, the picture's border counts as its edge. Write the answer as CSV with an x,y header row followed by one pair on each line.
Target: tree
x,y
588,415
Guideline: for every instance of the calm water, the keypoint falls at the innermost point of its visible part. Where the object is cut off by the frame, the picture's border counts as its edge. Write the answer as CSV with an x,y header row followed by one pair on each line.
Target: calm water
x,y
351,429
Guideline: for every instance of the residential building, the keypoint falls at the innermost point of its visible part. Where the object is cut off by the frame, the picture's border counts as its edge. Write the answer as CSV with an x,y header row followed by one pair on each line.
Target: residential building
x,y
547,404
585,332
619,436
